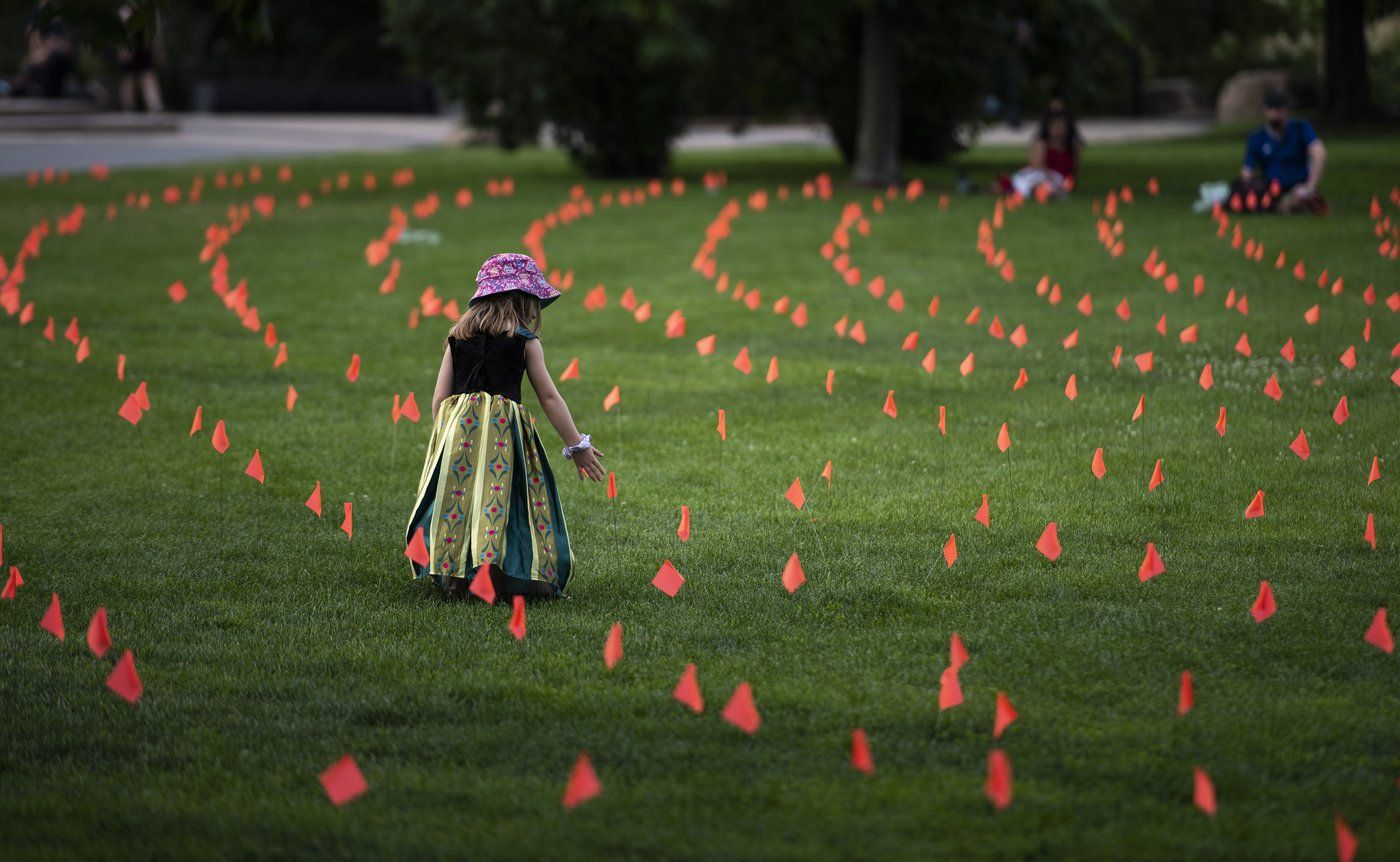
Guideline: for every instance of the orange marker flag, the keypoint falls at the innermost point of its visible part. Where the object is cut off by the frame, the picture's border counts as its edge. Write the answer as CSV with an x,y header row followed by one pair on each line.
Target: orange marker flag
x,y
517,617
314,501
1070,341
742,361
1018,336
343,781
949,688
943,420
347,524
1003,438
1005,715
99,640
861,760
950,550
1242,345
410,409
1220,422
292,398
255,467
220,438
1141,408
705,346
1340,414
1288,351
417,549
1021,380
668,580
772,370
1264,604
957,653
84,350
1255,509
1156,479
890,409
1300,445
998,786
1203,796
687,690
830,379
1072,387
123,680
740,710
794,493
683,531
826,474
612,399
1152,565
583,783
1312,315
911,341
1375,475
570,373
1096,466
1049,542
353,372
612,485
53,619
482,586
1271,388
1207,379
967,366
1186,695
1346,841
130,409
281,357
1378,634
984,513
12,583
1143,361
719,426
612,647
793,576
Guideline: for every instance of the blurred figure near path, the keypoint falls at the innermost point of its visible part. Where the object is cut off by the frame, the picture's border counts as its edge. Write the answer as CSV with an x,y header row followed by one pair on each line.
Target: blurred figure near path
x,y
48,62
138,66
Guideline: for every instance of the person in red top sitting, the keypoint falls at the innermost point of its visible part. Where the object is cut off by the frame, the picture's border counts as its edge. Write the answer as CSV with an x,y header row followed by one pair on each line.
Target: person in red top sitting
x,y
1053,160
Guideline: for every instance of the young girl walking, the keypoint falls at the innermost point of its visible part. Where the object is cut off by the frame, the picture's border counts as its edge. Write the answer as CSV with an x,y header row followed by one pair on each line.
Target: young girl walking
x,y
487,496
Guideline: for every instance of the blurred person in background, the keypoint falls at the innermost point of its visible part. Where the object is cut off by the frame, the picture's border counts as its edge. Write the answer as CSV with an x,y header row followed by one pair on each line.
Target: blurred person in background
x,y
1283,161
137,59
1053,160
49,59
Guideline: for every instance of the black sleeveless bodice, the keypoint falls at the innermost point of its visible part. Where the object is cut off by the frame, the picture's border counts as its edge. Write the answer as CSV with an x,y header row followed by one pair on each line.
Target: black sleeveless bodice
x,y
489,363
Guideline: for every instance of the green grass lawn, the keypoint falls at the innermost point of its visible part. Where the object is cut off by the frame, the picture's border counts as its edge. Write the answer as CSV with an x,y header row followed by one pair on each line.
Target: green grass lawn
x,y
269,645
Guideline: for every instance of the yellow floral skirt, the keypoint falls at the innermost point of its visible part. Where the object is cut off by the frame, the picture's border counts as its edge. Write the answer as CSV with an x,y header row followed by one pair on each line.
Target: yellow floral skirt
x,y
488,497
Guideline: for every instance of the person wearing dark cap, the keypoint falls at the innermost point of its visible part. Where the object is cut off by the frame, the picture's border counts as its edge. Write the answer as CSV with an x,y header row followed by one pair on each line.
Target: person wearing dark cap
x,y
1283,161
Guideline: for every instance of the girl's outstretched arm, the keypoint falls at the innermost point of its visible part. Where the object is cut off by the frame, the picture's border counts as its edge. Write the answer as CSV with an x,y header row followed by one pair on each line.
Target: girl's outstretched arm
x,y
552,403
443,388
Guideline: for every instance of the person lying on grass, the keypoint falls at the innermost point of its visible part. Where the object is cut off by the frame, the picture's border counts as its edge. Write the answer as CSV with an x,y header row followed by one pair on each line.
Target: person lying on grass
x,y
487,501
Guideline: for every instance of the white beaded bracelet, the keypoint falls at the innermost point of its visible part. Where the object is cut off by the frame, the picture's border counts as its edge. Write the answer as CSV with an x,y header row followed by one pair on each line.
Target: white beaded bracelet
x,y
585,442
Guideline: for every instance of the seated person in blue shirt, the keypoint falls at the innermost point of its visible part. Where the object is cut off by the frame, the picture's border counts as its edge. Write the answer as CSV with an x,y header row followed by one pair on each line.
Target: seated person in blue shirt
x,y
1283,163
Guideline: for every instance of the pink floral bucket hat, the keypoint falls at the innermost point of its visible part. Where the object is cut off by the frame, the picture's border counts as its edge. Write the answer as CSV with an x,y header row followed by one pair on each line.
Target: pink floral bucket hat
x,y
505,272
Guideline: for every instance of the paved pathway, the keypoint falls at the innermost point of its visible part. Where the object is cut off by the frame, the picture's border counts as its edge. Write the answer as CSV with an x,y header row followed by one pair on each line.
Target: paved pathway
x,y
205,137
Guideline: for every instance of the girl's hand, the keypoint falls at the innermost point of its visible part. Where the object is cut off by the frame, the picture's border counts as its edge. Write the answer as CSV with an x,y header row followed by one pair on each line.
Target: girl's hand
x,y
586,462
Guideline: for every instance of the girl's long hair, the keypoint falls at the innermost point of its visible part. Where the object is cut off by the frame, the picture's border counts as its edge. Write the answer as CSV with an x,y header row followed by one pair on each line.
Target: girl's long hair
x,y
499,314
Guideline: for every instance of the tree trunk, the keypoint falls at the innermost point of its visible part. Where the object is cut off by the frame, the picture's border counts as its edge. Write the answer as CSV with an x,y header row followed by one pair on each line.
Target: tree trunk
x,y
1347,85
877,139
